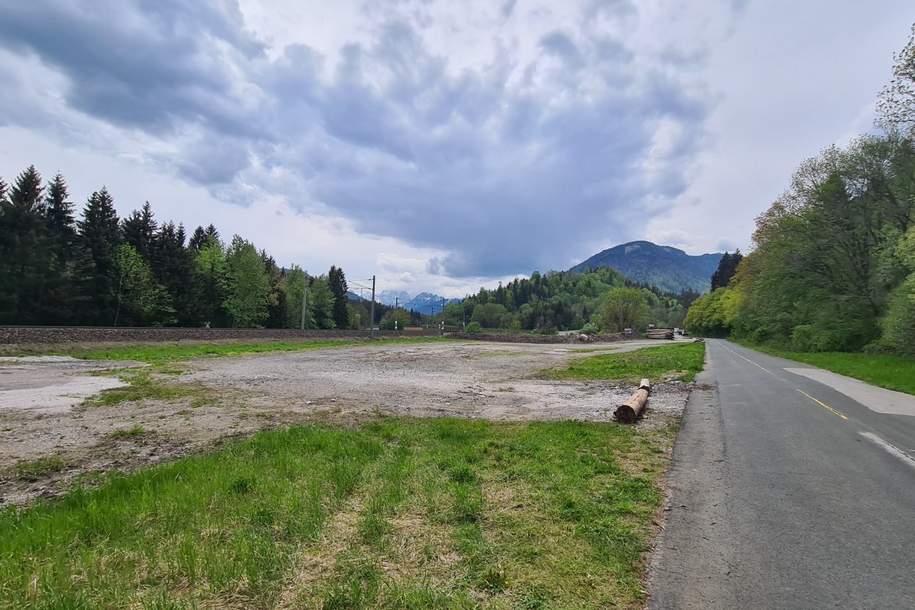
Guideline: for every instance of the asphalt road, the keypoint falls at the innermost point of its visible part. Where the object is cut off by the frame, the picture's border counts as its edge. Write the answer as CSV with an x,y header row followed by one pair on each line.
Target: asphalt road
x,y
786,493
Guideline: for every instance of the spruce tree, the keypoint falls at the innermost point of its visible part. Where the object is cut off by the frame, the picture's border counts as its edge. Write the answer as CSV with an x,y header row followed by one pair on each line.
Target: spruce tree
x,y
139,230
173,268
99,235
62,298
198,240
337,283
26,192
60,209
24,256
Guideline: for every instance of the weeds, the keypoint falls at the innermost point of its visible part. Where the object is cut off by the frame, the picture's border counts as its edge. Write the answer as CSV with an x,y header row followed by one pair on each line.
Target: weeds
x,y
127,433
33,470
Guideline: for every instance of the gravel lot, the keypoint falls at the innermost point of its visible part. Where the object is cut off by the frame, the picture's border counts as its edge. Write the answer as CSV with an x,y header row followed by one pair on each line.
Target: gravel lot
x,y
42,411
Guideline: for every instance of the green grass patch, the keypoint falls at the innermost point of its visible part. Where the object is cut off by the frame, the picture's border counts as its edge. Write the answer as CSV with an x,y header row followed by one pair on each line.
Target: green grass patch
x,y
884,370
167,353
132,432
397,513
677,361
32,470
144,384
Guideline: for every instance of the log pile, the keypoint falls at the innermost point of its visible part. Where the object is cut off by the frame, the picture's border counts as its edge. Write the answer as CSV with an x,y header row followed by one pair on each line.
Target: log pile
x,y
660,333
632,409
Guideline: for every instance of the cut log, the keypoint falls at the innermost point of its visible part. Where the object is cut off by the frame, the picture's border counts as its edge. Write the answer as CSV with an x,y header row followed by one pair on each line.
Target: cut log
x,y
632,409
659,333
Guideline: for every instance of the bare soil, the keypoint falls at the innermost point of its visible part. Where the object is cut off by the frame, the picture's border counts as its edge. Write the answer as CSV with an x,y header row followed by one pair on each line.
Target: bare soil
x,y
42,409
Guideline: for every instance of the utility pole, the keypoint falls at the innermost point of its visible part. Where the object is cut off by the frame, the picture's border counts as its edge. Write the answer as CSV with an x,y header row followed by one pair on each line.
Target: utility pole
x,y
372,325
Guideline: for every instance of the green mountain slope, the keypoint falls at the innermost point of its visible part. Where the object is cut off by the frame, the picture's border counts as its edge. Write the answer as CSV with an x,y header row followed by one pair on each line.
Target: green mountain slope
x,y
665,267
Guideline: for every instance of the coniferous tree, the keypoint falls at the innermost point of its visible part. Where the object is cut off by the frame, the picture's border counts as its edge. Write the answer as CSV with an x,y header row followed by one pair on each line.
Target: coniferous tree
x,y
139,230
24,255
336,281
727,267
276,310
99,235
198,240
172,266
60,210
62,296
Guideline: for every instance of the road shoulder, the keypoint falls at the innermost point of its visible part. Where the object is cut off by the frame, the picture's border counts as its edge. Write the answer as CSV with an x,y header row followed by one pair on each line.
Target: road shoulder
x,y
692,559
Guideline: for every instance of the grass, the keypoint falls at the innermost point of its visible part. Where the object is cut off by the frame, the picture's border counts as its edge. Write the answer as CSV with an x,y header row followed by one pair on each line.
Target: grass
x,y
397,513
167,353
32,470
124,433
677,361
144,384
884,370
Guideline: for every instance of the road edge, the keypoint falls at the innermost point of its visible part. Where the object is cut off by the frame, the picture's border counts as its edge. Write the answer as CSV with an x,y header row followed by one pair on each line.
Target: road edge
x,y
691,560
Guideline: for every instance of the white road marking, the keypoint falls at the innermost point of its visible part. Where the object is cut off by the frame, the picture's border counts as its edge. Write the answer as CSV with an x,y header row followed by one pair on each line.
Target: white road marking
x,y
752,362
889,448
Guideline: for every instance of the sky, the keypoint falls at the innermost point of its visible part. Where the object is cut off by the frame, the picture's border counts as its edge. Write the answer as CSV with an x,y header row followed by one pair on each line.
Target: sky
x,y
441,145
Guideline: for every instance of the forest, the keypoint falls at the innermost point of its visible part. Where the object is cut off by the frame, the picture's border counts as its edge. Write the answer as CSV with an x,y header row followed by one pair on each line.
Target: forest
x,y
596,300
101,270
833,264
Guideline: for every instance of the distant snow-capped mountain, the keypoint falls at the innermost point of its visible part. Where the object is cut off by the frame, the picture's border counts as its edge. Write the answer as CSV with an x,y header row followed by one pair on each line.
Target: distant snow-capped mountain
x,y
392,297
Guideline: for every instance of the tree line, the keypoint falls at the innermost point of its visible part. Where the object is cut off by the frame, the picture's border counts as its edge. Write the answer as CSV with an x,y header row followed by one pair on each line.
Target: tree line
x,y
833,268
599,299
103,270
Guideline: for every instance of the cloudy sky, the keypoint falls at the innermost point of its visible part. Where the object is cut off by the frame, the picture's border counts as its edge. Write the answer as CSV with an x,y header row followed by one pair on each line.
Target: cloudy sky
x,y
441,145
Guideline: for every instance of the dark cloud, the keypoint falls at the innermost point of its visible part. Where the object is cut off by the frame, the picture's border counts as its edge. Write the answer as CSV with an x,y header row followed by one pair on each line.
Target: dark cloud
x,y
505,177
149,65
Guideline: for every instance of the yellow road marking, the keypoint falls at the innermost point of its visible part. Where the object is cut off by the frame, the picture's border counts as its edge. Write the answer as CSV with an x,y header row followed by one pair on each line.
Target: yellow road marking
x,y
822,404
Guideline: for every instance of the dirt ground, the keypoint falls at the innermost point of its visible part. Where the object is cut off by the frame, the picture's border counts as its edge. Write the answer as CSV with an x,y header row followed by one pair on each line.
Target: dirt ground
x,y
42,409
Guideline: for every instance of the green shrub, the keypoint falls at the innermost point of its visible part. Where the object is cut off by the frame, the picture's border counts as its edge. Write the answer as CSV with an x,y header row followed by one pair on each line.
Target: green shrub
x,y
899,322
802,337
590,328
474,327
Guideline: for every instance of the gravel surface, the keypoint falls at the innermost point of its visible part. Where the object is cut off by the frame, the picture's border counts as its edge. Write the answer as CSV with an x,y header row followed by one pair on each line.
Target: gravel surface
x,y
239,395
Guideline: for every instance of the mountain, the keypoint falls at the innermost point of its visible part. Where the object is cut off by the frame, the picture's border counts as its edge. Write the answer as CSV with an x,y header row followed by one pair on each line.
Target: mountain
x,y
667,268
426,303
390,297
